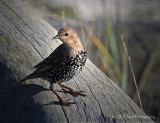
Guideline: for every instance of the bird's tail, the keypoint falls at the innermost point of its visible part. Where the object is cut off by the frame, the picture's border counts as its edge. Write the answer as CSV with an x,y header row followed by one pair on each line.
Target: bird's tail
x,y
26,78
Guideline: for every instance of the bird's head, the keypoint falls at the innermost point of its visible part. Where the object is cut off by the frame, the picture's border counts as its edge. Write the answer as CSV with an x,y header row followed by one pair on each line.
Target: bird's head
x,y
67,35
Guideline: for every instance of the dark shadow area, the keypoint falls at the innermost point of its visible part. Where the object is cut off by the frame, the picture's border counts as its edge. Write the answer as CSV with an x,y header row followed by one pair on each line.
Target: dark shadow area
x,y
16,101
59,103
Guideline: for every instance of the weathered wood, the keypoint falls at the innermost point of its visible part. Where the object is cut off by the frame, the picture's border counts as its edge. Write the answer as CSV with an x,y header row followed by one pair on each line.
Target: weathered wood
x,y
25,39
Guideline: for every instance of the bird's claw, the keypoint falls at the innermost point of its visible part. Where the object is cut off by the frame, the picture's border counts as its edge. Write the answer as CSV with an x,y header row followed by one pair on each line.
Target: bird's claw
x,y
77,93
67,102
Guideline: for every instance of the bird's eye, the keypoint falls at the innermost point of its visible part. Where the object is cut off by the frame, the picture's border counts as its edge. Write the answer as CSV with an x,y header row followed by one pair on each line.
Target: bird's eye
x,y
66,34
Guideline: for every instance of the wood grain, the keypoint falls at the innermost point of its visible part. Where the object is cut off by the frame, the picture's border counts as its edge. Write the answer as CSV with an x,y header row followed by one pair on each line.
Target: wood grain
x,y
25,39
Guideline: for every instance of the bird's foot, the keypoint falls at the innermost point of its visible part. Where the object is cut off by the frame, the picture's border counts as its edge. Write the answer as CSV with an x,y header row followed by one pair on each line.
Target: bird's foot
x,y
61,101
77,93
66,102
72,91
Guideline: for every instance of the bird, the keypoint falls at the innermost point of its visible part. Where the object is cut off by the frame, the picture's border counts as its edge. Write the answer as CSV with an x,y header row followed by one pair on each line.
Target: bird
x,y
64,63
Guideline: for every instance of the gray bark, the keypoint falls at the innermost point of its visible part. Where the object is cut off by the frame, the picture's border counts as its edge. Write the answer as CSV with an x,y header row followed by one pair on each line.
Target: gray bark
x,y
25,40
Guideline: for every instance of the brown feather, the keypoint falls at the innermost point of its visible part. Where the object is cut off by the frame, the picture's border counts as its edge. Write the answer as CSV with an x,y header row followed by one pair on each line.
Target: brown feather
x,y
70,48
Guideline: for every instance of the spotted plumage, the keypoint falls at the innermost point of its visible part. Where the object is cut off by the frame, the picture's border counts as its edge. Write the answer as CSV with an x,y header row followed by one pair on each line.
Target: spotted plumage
x,y
65,62
70,68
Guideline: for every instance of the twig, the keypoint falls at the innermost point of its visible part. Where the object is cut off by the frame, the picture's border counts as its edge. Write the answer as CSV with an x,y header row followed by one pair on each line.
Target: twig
x,y
134,78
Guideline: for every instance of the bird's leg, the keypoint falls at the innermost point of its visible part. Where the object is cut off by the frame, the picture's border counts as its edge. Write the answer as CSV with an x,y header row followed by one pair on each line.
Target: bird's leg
x,y
72,90
65,102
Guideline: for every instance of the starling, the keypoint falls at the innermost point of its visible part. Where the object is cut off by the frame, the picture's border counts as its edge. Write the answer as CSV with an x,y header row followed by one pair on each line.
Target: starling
x,y
65,62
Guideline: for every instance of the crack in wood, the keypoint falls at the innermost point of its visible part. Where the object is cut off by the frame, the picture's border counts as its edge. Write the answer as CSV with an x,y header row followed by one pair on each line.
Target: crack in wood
x,y
33,36
106,93
29,42
82,102
104,118
28,25
117,91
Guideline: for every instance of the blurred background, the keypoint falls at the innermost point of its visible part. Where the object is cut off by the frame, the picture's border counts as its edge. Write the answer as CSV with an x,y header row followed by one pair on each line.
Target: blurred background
x,y
122,38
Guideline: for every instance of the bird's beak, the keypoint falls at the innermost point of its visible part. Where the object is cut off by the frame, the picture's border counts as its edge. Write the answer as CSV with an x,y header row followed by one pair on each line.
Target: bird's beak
x,y
56,37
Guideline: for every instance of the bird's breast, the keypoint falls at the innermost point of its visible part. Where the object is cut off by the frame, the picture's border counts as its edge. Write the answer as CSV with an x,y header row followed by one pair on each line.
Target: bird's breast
x,y
70,68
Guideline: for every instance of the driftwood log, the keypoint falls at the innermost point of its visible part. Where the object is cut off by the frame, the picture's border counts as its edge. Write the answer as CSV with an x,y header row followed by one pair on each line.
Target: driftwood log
x,y
25,39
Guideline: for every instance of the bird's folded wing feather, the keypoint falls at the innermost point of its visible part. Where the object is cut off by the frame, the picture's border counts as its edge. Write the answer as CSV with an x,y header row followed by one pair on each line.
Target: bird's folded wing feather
x,y
53,61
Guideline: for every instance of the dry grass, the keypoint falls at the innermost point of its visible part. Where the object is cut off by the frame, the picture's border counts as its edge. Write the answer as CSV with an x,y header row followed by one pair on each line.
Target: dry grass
x,y
130,64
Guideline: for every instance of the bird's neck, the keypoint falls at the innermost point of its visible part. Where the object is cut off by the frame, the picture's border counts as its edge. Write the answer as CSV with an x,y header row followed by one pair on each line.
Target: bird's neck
x,y
76,46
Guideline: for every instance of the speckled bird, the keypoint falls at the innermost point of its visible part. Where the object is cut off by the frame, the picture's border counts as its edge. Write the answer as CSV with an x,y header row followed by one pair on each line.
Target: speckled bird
x,y
65,62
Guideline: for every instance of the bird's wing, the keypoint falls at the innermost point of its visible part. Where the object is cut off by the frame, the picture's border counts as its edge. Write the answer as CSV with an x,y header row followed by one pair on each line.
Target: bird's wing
x,y
51,58
53,61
